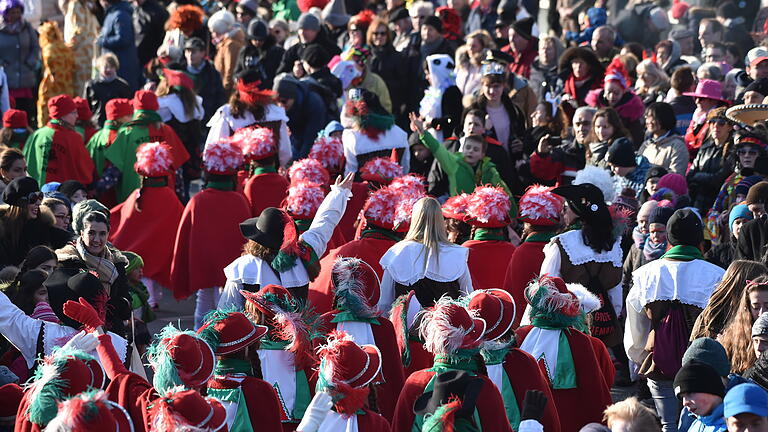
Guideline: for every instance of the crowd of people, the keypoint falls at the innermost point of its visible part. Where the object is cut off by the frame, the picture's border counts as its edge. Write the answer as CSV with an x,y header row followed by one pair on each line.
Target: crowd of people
x,y
445,215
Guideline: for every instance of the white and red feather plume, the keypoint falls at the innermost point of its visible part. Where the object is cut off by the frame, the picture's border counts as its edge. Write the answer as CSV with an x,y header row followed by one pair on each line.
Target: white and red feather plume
x,y
381,206
441,337
303,199
489,207
539,206
222,158
456,206
329,151
256,142
410,185
309,170
154,159
381,170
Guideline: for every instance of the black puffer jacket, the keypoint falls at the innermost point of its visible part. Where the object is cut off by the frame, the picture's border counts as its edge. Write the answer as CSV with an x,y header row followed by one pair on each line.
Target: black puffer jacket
x,y
266,59
387,63
707,174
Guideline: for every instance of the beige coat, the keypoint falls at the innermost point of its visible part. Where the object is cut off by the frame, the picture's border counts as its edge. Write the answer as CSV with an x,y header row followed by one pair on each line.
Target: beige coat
x,y
669,152
226,57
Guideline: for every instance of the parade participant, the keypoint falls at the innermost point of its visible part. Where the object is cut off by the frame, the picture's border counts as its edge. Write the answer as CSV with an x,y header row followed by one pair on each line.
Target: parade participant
x,y
302,202
656,305
454,212
118,112
264,187
63,374
276,253
286,355
21,226
207,238
251,105
373,132
308,170
56,152
454,337
146,126
566,356
15,129
251,403
355,295
147,221
348,369
512,370
541,213
425,261
488,211
84,124
90,410
379,232
381,171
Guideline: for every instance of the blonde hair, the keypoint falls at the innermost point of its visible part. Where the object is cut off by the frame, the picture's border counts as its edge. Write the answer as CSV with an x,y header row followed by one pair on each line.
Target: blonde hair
x,y
108,58
648,65
638,417
428,226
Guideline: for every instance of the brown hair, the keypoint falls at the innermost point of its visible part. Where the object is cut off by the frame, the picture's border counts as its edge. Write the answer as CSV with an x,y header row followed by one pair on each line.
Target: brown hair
x,y
238,107
186,95
619,131
480,139
375,24
722,304
737,337
9,156
682,79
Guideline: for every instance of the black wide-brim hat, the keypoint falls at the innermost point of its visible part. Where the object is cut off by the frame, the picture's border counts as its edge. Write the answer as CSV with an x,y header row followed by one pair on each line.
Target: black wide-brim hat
x,y
266,229
452,383
586,200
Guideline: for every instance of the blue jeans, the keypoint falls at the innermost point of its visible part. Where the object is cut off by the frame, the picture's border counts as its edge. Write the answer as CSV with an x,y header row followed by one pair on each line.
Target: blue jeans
x,y
207,299
667,404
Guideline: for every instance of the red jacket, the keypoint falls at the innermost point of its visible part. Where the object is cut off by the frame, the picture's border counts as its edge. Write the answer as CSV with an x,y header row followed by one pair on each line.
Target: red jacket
x,y
265,190
524,374
486,259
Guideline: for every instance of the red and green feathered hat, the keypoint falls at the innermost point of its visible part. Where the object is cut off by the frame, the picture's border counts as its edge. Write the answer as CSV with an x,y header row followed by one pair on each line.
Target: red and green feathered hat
x,y
552,302
356,287
180,409
229,331
455,207
222,158
91,411
329,151
539,206
448,329
256,143
488,207
154,159
303,200
382,170
309,170
180,358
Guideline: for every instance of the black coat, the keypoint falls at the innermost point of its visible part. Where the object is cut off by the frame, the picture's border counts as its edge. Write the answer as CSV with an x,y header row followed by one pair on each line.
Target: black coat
x,y
35,232
388,63
753,240
209,86
149,27
266,58
707,174
98,93
293,53
723,254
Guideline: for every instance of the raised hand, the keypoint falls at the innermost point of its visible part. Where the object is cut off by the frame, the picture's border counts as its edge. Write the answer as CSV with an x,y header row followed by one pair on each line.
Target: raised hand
x,y
83,313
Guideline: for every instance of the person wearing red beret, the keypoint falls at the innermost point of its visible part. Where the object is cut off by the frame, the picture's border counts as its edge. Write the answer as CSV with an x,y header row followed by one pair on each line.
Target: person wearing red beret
x,y
15,129
84,124
118,111
55,152
146,126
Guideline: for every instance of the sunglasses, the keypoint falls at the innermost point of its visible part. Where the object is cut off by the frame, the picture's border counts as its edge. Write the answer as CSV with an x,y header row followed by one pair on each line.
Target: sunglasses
x,y
34,197
383,33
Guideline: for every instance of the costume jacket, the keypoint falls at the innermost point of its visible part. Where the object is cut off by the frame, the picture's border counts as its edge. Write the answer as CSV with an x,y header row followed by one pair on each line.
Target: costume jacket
x,y
523,267
266,188
486,261
55,153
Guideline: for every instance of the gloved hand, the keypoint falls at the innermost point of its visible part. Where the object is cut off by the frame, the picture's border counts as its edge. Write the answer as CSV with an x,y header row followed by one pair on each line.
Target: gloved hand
x,y
83,341
533,405
316,411
83,313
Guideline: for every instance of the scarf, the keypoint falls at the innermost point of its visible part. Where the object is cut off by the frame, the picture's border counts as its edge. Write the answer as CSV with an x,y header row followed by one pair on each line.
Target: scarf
x,y
639,238
683,253
489,234
103,266
652,251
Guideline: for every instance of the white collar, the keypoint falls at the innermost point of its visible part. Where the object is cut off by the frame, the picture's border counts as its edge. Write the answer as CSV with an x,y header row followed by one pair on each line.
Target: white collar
x,y
579,253
408,262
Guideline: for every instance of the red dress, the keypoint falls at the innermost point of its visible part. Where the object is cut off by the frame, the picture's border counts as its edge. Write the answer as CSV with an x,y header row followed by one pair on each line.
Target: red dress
x,y
584,404
524,266
486,259
391,365
150,231
265,190
208,239
370,249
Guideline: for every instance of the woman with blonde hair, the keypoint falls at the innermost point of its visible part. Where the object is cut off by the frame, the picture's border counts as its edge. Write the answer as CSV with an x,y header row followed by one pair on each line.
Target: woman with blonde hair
x,y
652,83
425,261
737,336
469,58
722,306
630,415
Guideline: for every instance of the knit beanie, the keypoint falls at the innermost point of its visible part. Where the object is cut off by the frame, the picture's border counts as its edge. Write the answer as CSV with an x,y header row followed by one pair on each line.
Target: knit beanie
x,y
760,327
221,22
61,105
674,182
758,194
695,377
740,211
435,22
655,171
710,352
742,188
646,209
307,21
335,13
287,87
621,154
660,215
83,208
685,228
315,55
16,119
134,261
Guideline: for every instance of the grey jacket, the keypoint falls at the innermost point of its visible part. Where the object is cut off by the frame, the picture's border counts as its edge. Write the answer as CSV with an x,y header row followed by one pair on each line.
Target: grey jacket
x,y
20,56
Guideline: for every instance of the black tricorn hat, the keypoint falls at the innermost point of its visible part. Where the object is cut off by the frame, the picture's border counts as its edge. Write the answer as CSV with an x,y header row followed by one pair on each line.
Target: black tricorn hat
x,y
585,199
447,384
266,229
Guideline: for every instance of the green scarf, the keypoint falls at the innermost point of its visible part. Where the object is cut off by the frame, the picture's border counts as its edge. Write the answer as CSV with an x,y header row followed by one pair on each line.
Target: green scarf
x,y
269,344
465,362
259,170
122,154
242,421
145,117
380,233
347,316
302,385
228,366
223,185
565,371
489,234
683,253
98,144
302,225
540,237
496,357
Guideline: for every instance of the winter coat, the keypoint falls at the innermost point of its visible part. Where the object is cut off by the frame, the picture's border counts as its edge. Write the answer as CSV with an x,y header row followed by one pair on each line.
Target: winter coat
x,y
479,20
35,232
560,165
149,25
388,64
293,53
723,254
632,25
668,151
117,36
630,109
707,173
20,56
544,79
684,107
265,58
714,422
375,84
98,92
227,52
208,85
308,116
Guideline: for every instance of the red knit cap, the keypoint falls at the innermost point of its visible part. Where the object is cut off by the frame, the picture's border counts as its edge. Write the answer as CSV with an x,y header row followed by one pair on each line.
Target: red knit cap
x,y
14,118
117,108
61,105
83,110
145,100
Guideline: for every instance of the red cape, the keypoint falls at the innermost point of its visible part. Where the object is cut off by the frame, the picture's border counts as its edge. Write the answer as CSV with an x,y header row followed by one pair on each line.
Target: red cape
x,y
22,418
68,159
208,240
391,365
604,360
489,405
487,261
585,403
150,232
524,374
523,267
261,399
346,226
368,249
265,190
372,422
